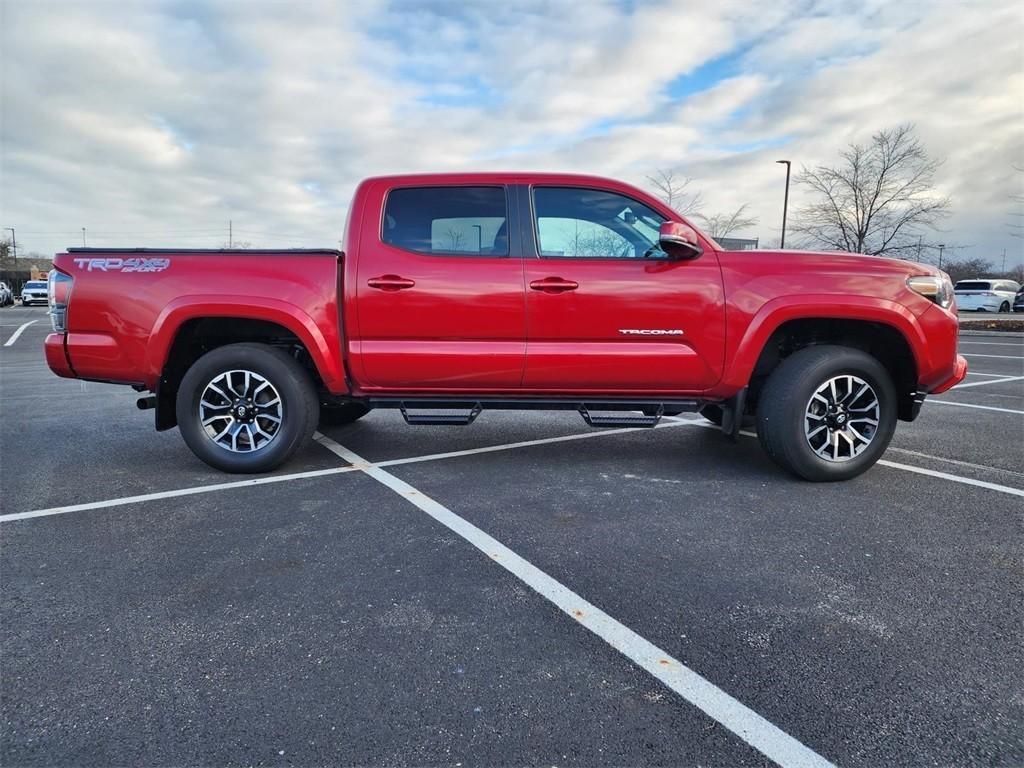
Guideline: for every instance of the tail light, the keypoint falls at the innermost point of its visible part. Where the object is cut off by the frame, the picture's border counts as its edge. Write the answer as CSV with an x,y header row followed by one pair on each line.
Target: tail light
x,y
58,287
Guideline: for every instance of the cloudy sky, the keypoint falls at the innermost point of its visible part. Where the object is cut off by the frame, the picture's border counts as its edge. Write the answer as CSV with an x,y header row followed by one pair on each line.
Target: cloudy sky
x,y
154,123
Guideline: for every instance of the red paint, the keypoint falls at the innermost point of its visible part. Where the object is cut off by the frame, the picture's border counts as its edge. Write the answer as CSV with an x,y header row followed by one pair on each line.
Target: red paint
x,y
406,322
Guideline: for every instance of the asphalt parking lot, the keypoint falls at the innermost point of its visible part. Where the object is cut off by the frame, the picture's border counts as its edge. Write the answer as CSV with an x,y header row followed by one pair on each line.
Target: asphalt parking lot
x,y
522,591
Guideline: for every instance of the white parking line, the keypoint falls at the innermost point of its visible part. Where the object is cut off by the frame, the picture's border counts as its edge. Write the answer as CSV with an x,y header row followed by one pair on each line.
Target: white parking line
x,y
17,333
762,735
972,405
955,478
671,421
919,470
302,475
958,462
998,357
990,375
524,444
171,494
993,381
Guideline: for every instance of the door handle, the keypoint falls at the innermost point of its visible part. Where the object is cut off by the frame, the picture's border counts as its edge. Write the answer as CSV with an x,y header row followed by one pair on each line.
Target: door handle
x,y
554,285
390,282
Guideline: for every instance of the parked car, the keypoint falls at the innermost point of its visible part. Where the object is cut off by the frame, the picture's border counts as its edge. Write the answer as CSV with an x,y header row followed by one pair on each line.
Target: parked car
x,y
33,292
988,295
466,292
6,295
1018,301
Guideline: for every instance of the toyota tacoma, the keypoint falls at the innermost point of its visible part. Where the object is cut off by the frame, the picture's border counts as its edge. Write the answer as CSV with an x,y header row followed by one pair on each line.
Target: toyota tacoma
x,y
459,293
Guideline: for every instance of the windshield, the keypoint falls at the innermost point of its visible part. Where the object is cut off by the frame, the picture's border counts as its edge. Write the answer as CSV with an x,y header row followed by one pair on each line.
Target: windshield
x,y
972,285
36,285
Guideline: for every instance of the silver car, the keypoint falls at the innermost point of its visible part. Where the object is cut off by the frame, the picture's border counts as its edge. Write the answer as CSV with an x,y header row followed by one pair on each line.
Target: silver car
x,y
6,295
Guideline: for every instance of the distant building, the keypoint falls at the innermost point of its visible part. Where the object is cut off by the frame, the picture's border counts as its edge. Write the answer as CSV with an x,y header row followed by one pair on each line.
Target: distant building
x,y
738,243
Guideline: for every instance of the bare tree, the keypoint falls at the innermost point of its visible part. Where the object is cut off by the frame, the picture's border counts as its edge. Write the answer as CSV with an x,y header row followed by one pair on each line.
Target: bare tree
x,y
674,191
724,224
876,201
455,237
965,269
236,245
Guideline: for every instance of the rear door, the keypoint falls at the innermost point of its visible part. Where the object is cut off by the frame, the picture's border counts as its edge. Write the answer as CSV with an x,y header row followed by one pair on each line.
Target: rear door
x,y
440,295
606,310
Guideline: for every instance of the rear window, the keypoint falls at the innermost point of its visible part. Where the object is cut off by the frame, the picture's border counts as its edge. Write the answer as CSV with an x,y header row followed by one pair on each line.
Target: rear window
x,y
973,285
462,221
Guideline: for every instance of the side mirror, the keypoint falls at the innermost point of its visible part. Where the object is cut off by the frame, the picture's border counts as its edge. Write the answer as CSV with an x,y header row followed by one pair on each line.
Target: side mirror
x,y
679,241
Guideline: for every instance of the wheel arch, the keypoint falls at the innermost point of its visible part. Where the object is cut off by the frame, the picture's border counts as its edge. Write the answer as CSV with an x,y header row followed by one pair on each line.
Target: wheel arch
x,y
192,326
884,329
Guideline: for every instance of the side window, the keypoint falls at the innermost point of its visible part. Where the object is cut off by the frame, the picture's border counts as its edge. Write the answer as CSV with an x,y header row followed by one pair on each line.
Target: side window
x,y
592,223
463,221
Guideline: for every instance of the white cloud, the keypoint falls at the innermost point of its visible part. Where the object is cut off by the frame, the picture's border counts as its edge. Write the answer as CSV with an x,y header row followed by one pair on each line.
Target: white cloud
x,y
168,119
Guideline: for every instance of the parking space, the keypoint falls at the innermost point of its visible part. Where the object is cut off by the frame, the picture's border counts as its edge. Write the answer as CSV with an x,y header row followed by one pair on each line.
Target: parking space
x,y
522,591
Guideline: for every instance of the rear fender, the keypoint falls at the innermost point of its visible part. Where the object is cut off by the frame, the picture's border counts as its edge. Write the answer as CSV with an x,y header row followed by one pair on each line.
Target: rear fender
x,y
289,316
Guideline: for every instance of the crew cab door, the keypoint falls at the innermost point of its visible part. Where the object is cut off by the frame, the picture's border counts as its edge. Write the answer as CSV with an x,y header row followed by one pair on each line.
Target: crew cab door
x,y
607,310
439,292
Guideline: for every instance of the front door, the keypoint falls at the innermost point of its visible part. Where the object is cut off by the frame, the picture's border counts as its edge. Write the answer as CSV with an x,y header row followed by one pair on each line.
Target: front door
x,y
607,311
440,291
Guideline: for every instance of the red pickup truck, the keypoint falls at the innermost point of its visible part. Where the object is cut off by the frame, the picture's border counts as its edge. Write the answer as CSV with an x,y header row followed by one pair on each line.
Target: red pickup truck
x,y
456,293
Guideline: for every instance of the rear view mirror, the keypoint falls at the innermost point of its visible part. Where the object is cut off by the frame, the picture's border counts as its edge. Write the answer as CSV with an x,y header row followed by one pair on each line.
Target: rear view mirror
x,y
679,241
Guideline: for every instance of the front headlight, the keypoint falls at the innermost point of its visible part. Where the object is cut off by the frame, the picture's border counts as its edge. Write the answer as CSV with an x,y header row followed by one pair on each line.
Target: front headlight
x,y
937,289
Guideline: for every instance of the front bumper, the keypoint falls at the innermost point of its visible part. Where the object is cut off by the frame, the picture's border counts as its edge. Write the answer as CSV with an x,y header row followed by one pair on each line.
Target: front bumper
x,y
959,374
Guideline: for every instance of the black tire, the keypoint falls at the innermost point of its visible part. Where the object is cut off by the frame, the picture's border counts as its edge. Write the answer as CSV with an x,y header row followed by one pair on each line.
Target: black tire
x,y
785,399
346,413
293,384
1004,307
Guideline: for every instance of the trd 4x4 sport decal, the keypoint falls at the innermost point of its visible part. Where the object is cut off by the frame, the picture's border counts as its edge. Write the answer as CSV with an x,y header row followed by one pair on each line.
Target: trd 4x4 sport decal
x,y
123,265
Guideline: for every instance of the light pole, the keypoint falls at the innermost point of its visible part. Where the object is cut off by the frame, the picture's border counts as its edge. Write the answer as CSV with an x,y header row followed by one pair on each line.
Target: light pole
x,y
785,204
14,243
83,237
942,247
479,237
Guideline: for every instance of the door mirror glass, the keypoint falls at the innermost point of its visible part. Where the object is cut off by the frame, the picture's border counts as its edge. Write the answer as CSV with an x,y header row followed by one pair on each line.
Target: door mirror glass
x,y
679,241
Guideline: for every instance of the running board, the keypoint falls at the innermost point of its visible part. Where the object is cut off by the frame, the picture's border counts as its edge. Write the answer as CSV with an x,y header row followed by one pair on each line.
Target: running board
x,y
440,419
636,420
467,409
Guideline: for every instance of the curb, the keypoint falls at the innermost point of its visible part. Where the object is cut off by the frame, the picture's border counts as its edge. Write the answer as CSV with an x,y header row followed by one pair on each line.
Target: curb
x,y
994,332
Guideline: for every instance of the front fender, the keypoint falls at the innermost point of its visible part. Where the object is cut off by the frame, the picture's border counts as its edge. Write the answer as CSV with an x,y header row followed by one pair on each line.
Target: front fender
x,y
184,308
782,309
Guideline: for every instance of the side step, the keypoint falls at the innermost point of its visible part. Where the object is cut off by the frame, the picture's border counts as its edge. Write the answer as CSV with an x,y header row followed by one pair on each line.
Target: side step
x,y
440,419
632,420
461,411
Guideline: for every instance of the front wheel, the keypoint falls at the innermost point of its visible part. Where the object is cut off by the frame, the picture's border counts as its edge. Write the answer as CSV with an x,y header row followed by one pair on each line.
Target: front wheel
x,y
246,407
827,413
1004,307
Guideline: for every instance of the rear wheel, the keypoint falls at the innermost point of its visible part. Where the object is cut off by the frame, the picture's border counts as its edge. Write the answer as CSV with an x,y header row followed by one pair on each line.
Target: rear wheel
x,y
1004,307
827,413
246,407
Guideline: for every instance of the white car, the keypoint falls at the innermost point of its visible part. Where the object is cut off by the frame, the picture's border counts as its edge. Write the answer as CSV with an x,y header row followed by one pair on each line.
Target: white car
x,y
6,295
986,294
34,292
